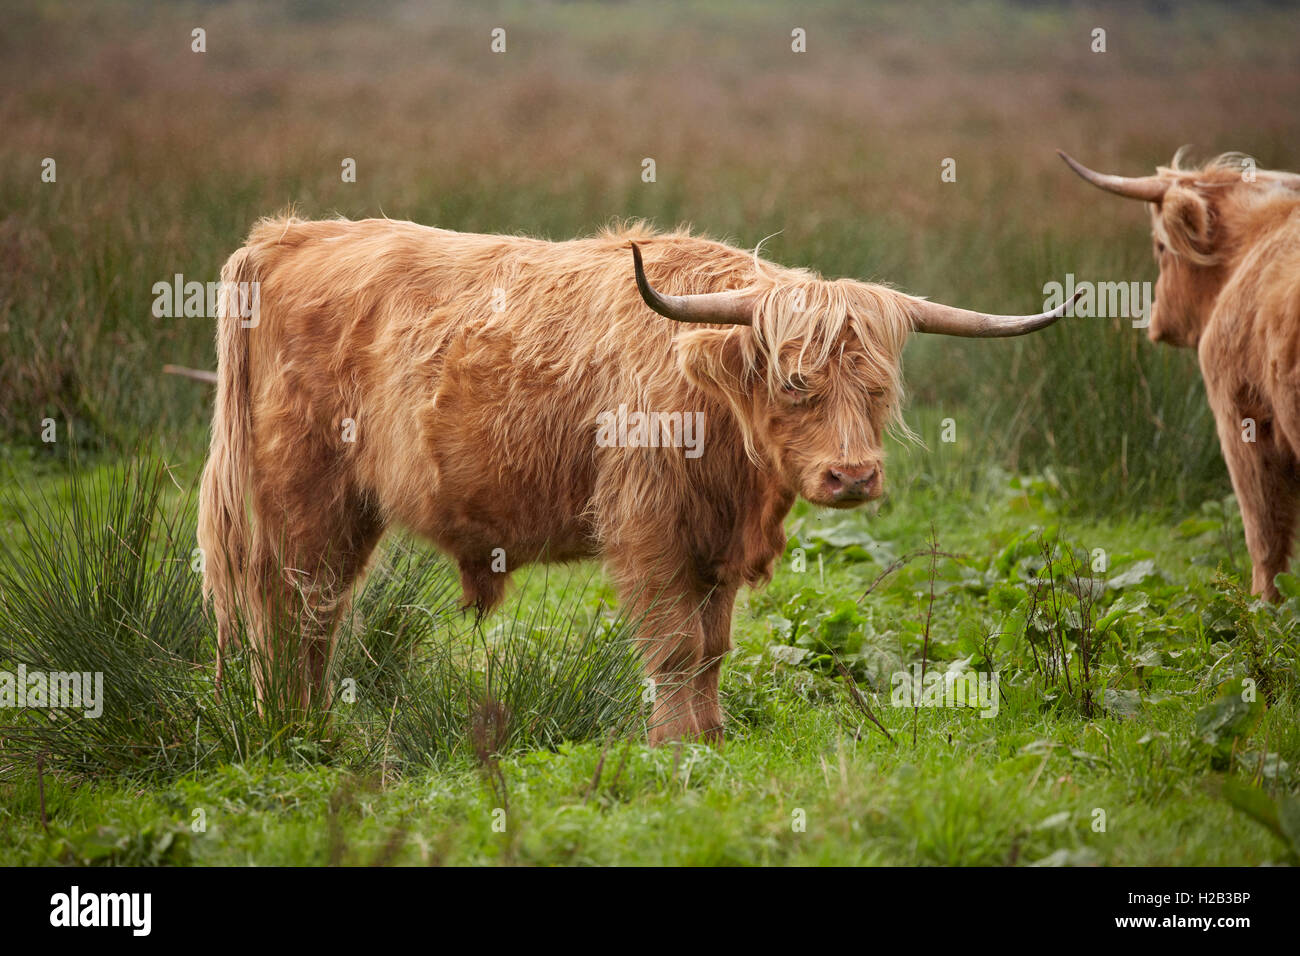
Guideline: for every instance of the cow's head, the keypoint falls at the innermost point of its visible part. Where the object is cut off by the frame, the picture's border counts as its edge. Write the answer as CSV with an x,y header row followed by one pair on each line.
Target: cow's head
x,y
811,368
1199,219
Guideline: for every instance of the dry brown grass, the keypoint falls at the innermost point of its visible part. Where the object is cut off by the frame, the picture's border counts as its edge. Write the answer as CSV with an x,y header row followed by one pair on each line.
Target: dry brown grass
x,y
741,127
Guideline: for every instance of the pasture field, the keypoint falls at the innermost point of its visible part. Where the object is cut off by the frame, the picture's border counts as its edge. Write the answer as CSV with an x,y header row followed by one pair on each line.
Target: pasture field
x,y
1062,518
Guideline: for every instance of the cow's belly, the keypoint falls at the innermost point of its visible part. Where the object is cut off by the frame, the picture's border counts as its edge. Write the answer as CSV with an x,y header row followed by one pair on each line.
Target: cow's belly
x,y
487,467
479,507
503,522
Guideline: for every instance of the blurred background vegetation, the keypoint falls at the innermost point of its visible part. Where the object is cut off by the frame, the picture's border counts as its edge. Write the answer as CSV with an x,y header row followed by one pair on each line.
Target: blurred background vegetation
x,y
165,157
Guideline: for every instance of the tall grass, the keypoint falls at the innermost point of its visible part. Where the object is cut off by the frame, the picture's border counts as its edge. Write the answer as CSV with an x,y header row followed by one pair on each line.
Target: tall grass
x,y
535,677
1123,423
102,580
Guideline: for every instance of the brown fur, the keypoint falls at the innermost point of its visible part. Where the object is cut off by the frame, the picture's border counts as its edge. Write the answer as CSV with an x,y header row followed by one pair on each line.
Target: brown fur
x,y
477,428
1229,287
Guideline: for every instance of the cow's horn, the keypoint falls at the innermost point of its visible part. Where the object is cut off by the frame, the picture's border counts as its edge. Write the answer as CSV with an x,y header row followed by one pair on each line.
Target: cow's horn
x,y
1148,188
946,320
710,308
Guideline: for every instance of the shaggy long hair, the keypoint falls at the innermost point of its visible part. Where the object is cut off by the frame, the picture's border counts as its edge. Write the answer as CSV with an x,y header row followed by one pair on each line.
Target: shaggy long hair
x,y
1202,195
451,383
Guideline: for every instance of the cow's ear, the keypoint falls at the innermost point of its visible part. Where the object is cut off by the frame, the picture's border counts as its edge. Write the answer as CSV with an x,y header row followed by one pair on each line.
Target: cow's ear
x,y
721,361
1189,222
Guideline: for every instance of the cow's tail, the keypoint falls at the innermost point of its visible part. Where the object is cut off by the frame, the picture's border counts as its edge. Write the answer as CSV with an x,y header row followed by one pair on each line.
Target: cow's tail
x,y
224,530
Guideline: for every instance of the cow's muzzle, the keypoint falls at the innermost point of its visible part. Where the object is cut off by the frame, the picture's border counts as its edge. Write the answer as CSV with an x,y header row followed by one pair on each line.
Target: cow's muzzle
x,y
844,486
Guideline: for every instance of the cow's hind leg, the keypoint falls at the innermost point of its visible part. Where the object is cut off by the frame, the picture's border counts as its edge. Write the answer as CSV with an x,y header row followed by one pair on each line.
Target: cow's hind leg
x,y
358,531
315,548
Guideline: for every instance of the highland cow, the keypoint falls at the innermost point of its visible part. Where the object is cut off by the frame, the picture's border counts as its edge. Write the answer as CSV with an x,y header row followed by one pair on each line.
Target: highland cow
x,y
1227,239
455,385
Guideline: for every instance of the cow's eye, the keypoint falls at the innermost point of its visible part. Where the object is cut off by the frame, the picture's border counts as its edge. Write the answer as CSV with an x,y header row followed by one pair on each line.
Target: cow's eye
x,y
1160,248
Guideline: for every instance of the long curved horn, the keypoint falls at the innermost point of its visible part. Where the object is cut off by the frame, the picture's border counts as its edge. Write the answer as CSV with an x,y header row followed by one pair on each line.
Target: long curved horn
x,y
709,308
1289,180
940,319
1148,188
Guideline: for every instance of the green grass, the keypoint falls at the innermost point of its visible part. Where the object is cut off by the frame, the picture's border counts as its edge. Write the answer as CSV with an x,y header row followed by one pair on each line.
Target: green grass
x,y
1016,790
409,772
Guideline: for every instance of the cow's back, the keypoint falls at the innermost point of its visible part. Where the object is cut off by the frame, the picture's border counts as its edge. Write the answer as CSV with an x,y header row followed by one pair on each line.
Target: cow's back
x,y
458,377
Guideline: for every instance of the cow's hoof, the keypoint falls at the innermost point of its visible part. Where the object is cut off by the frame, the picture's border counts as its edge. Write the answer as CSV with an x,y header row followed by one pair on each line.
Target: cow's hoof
x,y
712,735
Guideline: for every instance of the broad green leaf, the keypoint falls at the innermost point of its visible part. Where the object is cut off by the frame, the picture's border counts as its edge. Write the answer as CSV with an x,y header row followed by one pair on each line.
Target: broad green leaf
x,y
1121,703
787,654
1288,584
1230,716
1139,572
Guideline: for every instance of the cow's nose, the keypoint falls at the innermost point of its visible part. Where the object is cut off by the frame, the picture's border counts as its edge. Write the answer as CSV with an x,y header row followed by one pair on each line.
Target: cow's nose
x,y
848,482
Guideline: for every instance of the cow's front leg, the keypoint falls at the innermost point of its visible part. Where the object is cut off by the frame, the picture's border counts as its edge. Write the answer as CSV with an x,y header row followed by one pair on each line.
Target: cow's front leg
x,y
672,645
1265,481
715,619
666,613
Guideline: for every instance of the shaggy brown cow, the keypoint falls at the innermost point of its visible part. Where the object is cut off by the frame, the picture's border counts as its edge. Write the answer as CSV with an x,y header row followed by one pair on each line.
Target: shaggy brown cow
x,y
514,400
1227,238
